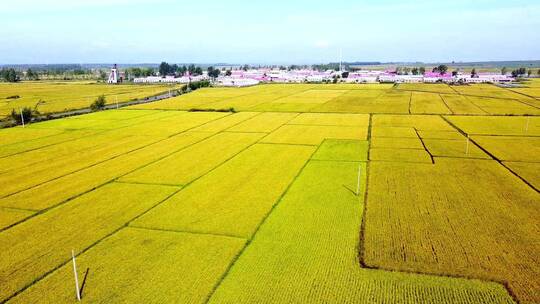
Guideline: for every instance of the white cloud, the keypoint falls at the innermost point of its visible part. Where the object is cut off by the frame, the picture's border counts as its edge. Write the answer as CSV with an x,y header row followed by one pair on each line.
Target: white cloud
x,y
322,44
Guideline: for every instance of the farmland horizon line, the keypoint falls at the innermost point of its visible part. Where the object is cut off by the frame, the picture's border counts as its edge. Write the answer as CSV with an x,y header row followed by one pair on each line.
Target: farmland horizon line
x,y
360,63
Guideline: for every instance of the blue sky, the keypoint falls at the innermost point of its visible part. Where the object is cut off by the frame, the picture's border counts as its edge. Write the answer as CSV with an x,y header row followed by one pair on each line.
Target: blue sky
x,y
236,31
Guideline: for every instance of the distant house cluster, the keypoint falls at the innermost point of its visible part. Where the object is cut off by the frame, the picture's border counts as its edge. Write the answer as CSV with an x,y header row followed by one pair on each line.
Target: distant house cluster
x,y
241,78
434,77
170,79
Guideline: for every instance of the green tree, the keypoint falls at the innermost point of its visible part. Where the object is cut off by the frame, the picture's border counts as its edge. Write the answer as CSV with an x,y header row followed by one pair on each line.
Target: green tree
x,y
31,75
164,69
213,73
9,75
182,70
504,70
147,72
173,69
99,103
135,72
529,73
422,70
26,114
191,69
519,72
229,73
474,74
414,71
442,69
102,75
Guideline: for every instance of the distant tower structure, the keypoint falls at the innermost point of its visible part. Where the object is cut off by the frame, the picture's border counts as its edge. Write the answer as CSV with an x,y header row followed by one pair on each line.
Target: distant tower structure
x,y
113,76
340,60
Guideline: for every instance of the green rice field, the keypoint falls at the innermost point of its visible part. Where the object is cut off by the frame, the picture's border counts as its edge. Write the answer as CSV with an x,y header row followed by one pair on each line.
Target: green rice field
x,y
307,193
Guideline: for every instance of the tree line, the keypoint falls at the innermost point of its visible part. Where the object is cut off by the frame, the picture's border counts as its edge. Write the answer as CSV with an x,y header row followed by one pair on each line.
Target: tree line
x,y
166,69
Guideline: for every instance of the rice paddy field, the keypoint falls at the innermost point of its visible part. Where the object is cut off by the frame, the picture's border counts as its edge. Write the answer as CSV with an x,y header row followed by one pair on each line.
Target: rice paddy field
x,y
480,99
52,97
307,194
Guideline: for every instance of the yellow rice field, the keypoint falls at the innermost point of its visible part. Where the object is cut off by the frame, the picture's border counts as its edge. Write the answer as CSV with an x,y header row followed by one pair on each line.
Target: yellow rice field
x,y
308,194
51,97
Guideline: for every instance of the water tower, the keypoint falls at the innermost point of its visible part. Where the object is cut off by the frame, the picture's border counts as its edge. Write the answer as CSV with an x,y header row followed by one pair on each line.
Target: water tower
x,y
113,76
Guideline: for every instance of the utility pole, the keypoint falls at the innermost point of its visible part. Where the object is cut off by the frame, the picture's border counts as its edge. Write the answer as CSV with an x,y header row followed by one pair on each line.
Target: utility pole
x,y
77,290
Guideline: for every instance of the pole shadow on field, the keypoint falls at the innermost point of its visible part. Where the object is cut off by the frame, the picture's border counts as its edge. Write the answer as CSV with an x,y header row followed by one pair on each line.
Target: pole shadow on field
x,y
84,281
352,191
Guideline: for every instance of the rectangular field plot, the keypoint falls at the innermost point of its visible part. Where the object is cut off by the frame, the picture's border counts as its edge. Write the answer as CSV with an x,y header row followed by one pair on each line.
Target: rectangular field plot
x,y
244,102
528,171
368,101
355,86
427,134
428,103
418,122
454,148
19,134
75,225
511,148
186,165
399,155
394,132
61,150
285,107
397,143
319,119
55,191
264,122
432,87
305,252
491,91
225,122
175,123
483,125
311,96
117,115
37,143
45,171
459,104
532,92
72,123
342,150
143,266
313,135
503,106
468,218
235,197
194,99
98,121
9,217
